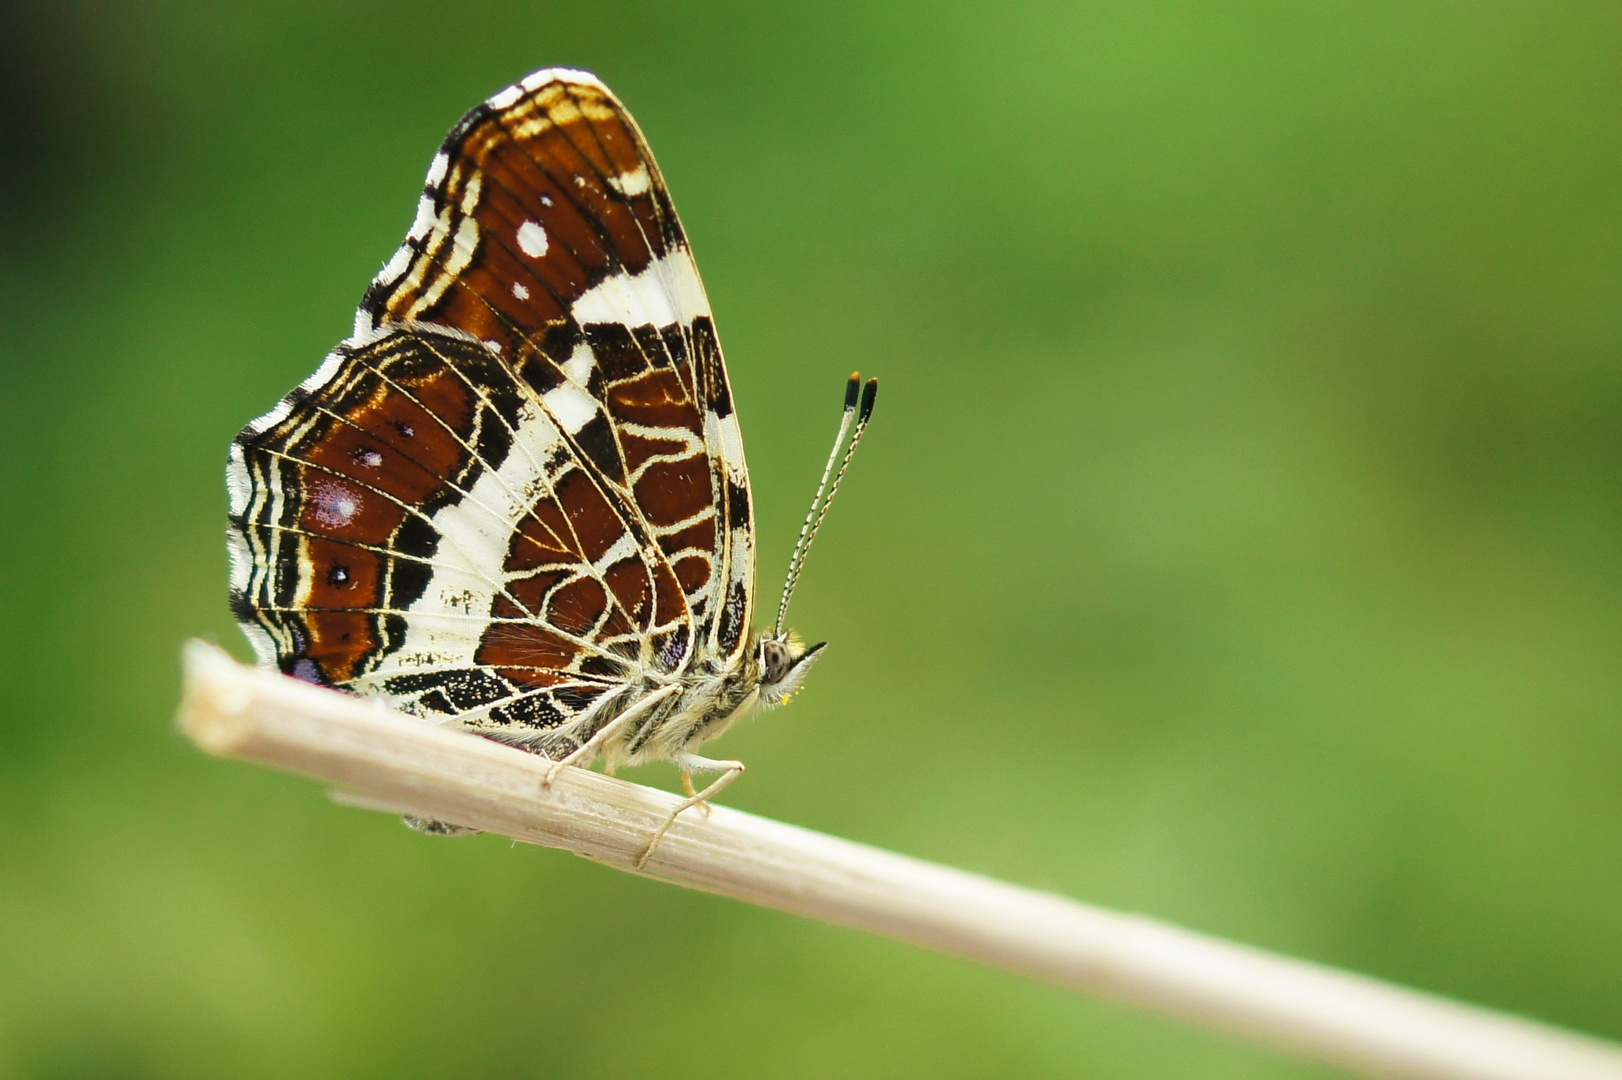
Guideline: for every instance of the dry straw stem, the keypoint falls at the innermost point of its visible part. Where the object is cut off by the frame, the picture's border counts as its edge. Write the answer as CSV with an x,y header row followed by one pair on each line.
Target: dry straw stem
x,y
384,760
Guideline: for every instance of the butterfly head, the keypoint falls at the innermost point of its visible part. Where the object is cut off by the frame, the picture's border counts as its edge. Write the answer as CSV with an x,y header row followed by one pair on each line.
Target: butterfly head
x,y
785,661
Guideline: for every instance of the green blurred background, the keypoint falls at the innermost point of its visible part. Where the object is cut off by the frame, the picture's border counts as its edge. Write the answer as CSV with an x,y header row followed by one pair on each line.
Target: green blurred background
x,y
1239,540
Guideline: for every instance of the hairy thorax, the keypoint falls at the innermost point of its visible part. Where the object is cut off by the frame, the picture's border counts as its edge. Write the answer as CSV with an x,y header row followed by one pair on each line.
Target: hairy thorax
x,y
712,698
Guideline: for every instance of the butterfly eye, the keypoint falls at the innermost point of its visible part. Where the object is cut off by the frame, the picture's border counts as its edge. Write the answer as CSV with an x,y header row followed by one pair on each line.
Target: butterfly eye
x,y
775,660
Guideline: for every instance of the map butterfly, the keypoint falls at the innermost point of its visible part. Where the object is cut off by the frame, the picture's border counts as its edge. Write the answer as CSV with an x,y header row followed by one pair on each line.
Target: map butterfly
x,y
515,499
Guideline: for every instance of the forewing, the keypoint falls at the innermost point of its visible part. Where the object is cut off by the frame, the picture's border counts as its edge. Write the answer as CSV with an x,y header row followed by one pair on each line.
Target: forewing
x,y
546,229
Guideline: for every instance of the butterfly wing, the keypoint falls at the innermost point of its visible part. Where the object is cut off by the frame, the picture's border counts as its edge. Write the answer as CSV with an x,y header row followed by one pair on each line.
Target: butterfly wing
x,y
519,486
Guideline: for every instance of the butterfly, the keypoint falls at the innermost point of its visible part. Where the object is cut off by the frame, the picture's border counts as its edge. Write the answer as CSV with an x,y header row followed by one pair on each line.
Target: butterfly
x,y
514,500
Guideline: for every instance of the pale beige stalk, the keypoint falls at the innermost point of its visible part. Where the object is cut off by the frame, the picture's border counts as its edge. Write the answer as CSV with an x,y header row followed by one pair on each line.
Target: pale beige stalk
x,y
384,760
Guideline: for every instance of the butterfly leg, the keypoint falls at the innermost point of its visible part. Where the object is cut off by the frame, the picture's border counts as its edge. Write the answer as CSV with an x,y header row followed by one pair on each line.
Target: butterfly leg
x,y
691,763
589,749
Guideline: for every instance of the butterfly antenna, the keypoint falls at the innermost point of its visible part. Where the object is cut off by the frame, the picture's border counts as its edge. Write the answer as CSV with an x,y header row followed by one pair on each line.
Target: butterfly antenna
x,y
826,491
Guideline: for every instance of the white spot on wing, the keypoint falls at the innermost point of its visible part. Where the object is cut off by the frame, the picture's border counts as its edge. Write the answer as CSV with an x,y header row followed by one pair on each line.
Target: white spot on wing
x,y
506,97
238,486
741,566
668,291
723,436
264,646
624,548
532,239
425,218
436,171
538,79
578,366
397,265
573,407
272,418
631,184
318,378
732,445
520,290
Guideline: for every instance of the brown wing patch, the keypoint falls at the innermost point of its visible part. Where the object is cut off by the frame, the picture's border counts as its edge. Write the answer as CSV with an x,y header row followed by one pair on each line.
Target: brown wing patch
x,y
538,194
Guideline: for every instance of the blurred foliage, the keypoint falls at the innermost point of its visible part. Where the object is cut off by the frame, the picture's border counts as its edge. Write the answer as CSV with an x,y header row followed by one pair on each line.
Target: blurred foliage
x,y
1238,539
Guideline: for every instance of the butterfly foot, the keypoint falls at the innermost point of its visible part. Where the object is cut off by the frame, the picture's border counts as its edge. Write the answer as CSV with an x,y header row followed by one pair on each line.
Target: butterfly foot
x,y
574,757
729,770
551,774
693,797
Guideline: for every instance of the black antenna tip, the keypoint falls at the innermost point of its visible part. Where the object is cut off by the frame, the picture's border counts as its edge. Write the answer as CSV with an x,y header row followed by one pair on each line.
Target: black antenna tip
x,y
850,390
869,395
